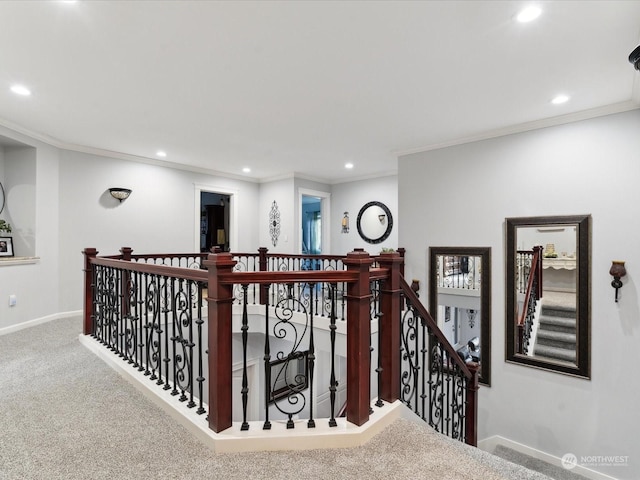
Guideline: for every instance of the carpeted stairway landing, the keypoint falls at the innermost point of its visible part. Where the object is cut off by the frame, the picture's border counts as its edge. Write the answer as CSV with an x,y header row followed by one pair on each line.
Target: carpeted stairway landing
x,y
552,471
64,414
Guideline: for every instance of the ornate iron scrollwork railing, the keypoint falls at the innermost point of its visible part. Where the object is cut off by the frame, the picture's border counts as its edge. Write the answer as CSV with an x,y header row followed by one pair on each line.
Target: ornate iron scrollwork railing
x,y
154,322
529,288
159,319
436,384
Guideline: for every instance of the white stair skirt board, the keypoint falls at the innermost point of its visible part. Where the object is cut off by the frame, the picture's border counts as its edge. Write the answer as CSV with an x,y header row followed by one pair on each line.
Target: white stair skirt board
x,y
489,445
344,435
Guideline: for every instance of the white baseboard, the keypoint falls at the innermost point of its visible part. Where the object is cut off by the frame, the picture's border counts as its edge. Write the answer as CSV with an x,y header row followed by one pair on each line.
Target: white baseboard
x,y
490,444
38,321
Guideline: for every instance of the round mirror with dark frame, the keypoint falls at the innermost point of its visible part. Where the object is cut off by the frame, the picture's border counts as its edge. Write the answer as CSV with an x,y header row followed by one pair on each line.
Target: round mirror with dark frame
x,y
2,198
374,222
548,311
460,301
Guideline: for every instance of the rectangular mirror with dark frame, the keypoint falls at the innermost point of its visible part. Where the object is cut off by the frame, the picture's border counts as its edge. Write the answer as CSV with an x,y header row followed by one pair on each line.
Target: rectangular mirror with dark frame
x,y
548,308
460,301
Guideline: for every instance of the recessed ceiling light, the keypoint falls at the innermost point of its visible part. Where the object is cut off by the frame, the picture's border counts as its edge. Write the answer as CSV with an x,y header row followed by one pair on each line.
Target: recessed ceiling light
x,y
246,170
348,165
161,153
528,14
560,99
21,90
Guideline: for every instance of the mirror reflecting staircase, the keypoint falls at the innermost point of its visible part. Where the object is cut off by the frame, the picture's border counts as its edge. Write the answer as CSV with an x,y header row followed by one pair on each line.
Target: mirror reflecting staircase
x,y
556,338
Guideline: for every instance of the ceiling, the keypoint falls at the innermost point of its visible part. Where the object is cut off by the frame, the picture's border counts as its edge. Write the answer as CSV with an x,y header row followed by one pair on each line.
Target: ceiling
x,y
305,87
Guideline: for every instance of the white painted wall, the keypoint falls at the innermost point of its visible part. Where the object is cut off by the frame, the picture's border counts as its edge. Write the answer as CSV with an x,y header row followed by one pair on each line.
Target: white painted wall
x,y
159,216
35,229
351,197
592,167
283,193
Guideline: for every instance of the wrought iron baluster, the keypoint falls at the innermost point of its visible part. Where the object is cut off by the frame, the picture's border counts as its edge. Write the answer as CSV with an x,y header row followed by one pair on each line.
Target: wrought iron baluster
x,y
169,311
188,317
407,334
311,361
449,392
333,384
175,339
163,302
245,382
424,392
96,319
130,319
139,315
120,317
267,366
200,378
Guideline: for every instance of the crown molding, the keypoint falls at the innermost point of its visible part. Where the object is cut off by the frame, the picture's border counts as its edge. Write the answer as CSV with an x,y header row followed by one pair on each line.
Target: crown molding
x,y
101,152
528,126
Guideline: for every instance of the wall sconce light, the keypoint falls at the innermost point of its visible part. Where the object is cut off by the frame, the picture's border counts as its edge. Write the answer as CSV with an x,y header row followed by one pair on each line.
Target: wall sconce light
x,y
618,271
345,223
120,193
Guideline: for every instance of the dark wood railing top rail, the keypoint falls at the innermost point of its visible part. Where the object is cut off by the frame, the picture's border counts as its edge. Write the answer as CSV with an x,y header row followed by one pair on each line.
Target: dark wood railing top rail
x,y
433,326
157,269
301,276
532,274
306,276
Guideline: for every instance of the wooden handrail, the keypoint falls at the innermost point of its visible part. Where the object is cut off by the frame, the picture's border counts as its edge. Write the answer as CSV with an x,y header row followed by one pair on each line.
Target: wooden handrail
x,y
535,271
164,270
433,327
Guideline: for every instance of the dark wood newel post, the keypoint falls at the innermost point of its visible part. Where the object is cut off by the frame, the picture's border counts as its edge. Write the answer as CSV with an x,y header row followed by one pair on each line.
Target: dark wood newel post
x,y
389,327
358,333
126,253
220,299
401,251
87,320
471,413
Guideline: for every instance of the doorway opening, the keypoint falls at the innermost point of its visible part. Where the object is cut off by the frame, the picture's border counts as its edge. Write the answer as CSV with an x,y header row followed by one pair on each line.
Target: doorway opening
x,y
311,225
214,221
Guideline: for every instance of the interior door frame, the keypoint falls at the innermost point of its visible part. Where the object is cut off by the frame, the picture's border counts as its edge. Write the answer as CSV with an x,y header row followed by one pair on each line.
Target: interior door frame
x,y
233,213
325,214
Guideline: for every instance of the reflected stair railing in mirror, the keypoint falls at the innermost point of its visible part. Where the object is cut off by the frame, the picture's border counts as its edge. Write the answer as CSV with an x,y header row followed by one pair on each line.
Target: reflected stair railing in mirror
x,y
529,284
170,317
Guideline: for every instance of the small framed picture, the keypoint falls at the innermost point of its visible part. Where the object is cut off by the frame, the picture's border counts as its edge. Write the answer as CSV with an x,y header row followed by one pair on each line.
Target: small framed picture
x,y
6,247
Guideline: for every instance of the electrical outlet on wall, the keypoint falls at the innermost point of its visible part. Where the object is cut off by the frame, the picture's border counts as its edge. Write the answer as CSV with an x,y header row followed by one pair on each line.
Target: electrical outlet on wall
x,y
13,300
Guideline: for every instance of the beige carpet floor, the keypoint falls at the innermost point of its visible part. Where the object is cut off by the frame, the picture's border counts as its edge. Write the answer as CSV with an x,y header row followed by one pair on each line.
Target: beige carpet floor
x,y
64,414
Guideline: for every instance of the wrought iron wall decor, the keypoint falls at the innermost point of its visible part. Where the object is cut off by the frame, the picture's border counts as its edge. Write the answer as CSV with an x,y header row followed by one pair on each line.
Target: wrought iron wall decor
x,y
471,314
274,223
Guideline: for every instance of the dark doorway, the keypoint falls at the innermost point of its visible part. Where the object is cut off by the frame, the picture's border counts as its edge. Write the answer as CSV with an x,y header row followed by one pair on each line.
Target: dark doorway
x,y
214,221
